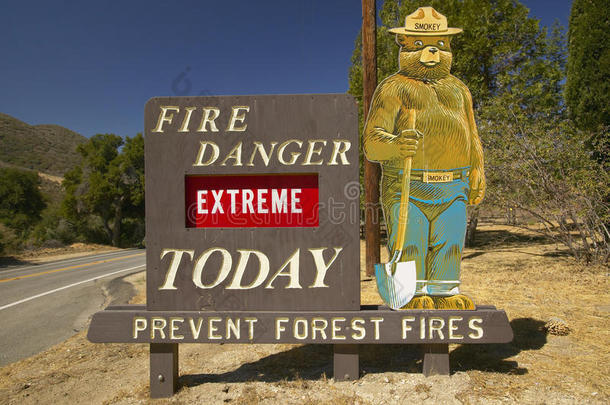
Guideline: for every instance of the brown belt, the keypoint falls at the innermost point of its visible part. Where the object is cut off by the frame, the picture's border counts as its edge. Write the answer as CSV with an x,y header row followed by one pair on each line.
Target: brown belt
x,y
428,176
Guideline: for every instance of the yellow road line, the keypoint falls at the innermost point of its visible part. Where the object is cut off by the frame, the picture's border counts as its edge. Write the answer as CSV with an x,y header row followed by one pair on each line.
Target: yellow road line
x,y
69,268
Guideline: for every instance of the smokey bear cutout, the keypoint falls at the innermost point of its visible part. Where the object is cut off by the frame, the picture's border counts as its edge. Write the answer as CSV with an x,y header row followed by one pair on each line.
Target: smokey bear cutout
x,y
421,129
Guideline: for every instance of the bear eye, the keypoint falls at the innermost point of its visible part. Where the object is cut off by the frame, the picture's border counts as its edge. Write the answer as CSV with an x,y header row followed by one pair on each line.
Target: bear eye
x,y
418,43
441,43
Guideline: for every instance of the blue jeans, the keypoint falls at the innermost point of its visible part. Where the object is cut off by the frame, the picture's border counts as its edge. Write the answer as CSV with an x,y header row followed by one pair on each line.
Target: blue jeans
x,y
436,229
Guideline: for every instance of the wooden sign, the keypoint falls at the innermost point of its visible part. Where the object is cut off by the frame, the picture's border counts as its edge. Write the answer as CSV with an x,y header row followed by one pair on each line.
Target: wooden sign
x,y
252,236
372,325
252,203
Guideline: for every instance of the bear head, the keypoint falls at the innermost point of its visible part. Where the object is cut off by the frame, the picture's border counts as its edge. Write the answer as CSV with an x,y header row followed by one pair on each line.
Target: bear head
x,y
424,57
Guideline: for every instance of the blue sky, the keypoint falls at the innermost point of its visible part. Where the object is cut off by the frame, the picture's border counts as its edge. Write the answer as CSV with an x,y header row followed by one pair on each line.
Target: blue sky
x,y
92,65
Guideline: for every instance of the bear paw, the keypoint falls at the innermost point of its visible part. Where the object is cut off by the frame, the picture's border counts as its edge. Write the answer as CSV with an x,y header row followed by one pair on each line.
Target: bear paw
x,y
454,302
420,302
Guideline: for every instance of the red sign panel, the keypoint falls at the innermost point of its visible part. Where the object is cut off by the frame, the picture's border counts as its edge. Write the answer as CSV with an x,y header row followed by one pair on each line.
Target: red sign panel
x,y
252,201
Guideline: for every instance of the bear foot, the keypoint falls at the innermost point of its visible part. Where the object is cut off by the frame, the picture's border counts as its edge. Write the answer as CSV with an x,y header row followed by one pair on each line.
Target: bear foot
x,y
420,302
458,301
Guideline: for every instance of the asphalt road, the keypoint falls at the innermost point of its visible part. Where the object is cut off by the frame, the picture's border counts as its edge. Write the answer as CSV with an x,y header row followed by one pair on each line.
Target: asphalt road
x,y
42,305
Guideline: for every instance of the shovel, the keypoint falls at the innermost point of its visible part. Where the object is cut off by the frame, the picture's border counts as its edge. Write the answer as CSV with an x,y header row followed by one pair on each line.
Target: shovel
x,y
396,280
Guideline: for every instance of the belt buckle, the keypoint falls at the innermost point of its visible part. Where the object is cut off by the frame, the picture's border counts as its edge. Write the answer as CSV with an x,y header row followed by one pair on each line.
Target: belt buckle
x,y
437,177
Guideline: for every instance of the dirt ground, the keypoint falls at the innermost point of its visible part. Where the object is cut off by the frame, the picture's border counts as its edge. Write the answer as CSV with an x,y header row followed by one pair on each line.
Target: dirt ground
x,y
523,274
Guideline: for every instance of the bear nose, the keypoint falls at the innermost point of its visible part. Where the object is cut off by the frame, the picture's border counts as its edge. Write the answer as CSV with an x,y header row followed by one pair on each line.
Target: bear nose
x,y
433,50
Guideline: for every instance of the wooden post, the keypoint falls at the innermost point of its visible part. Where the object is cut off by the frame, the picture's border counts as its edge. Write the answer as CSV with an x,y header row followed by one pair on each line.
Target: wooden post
x,y
436,359
163,369
372,171
346,362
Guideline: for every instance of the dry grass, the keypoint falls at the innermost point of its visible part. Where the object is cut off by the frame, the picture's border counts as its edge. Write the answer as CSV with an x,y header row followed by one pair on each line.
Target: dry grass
x,y
43,255
520,273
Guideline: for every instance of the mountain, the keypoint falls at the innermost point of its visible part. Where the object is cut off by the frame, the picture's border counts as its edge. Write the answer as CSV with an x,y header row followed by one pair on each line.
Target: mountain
x,y
50,149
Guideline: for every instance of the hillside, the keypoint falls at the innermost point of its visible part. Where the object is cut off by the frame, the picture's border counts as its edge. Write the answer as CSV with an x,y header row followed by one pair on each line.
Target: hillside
x,y
50,149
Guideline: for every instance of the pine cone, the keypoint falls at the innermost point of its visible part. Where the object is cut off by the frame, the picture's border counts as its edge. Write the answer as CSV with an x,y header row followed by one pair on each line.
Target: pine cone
x,y
557,326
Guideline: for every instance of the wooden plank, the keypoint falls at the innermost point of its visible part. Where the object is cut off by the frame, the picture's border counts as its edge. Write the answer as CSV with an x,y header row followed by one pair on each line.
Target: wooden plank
x,y
346,362
436,359
376,326
163,369
126,307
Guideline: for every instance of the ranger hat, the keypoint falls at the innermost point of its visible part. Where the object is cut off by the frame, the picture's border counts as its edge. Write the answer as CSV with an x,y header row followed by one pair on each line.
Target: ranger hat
x,y
425,21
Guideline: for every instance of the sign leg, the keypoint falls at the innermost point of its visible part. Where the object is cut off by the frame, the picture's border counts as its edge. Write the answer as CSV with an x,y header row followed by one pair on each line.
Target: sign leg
x,y
163,369
346,362
436,359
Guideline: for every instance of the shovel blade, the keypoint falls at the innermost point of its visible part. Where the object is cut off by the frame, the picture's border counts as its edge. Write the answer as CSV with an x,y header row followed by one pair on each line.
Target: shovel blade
x,y
396,289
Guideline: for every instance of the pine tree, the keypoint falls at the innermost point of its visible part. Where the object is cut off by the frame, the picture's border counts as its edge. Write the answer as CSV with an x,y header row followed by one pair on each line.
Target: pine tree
x,y
588,72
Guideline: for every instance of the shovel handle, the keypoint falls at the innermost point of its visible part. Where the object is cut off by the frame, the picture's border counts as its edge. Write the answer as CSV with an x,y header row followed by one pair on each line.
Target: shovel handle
x,y
403,214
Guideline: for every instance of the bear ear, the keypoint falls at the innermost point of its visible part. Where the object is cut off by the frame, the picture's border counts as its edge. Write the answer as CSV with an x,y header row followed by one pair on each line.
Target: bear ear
x,y
401,40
